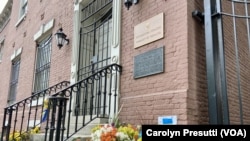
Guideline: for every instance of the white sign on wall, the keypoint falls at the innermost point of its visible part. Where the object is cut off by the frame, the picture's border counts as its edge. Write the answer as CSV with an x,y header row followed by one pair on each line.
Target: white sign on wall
x,y
149,30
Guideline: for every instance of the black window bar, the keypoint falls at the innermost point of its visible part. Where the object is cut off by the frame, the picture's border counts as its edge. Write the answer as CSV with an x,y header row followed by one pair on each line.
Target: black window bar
x,y
227,55
43,60
14,81
94,7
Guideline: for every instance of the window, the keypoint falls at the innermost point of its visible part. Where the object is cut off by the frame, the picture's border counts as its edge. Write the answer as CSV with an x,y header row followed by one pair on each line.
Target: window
x,y
1,50
43,57
23,7
22,11
14,81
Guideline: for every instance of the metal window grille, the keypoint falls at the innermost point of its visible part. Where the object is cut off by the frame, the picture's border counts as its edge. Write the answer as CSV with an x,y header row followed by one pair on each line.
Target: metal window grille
x,y
14,81
94,7
43,59
227,55
95,38
94,51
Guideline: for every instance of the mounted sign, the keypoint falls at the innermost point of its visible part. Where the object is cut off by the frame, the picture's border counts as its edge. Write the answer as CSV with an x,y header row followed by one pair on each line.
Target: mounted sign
x,y
149,63
149,30
167,120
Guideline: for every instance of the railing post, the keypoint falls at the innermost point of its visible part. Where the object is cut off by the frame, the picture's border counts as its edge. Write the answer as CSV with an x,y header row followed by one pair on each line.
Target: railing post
x,y
4,127
60,104
9,111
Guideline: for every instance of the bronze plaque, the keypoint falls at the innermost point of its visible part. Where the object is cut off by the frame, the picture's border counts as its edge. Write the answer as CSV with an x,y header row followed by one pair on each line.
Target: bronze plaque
x,y
149,63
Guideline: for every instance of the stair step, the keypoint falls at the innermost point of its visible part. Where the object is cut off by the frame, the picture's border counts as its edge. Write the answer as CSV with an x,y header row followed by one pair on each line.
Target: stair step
x,y
84,134
83,138
41,137
87,129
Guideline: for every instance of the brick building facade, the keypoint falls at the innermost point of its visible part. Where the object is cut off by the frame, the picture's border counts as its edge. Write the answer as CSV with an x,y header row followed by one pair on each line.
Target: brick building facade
x,y
180,90
28,25
23,34
175,92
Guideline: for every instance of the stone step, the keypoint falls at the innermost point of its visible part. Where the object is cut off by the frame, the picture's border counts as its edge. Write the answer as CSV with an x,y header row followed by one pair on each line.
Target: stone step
x,y
87,129
41,137
82,138
84,133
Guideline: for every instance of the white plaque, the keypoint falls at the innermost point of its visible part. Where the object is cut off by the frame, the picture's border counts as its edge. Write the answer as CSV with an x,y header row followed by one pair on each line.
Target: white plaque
x,y
149,30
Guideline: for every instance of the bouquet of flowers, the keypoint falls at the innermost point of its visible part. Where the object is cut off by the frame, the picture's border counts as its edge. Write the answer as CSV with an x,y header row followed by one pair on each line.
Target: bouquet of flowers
x,y
18,136
22,135
115,131
108,132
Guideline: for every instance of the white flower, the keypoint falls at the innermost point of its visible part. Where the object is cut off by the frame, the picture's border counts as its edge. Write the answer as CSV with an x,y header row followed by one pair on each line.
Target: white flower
x,y
122,136
105,125
96,136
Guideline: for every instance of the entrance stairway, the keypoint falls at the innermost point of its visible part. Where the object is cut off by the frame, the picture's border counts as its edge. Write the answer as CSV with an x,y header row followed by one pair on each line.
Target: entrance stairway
x,y
84,134
65,111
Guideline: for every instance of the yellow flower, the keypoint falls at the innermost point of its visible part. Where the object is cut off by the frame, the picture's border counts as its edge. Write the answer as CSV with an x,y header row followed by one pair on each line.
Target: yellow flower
x,y
96,128
46,103
35,130
18,136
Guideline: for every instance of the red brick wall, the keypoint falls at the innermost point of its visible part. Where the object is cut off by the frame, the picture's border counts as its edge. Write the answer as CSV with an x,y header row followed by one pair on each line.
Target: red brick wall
x,y
181,89
39,13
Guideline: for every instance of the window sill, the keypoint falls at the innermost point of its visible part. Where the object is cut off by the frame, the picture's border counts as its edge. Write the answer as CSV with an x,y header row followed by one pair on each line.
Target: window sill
x,y
20,20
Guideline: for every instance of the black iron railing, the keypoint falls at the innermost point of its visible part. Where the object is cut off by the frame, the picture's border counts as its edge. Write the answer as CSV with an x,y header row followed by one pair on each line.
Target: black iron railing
x,y
91,98
25,114
72,108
